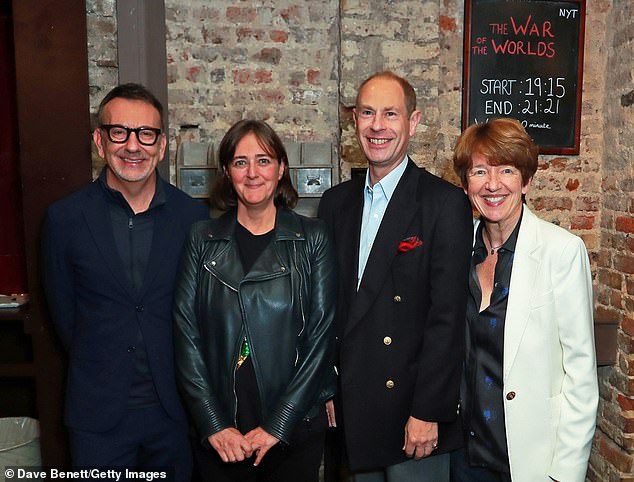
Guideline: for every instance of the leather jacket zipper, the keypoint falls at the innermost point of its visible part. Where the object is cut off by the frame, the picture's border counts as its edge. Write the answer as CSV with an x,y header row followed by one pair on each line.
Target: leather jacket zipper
x,y
235,359
301,300
235,372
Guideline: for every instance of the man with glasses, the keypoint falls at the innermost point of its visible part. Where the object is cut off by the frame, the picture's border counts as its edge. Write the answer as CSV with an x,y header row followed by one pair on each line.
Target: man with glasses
x,y
110,255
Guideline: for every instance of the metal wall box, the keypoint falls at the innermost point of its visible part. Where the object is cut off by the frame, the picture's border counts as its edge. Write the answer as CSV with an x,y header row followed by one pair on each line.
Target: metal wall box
x,y
196,181
195,154
293,151
313,181
316,154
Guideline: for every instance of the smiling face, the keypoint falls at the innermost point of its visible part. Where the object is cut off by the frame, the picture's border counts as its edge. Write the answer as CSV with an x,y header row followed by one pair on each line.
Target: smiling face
x,y
496,191
254,174
383,125
129,163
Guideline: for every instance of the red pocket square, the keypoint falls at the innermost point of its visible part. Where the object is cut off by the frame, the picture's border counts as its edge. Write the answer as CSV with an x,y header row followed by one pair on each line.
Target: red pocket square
x,y
409,243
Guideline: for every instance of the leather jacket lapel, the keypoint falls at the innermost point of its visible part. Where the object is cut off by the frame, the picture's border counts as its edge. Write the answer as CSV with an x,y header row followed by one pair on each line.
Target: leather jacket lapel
x,y
226,264
273,262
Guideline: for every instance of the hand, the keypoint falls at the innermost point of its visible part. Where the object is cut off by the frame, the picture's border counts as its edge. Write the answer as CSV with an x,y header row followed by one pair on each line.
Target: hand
x,y
261,441
421,438
330,412
231,445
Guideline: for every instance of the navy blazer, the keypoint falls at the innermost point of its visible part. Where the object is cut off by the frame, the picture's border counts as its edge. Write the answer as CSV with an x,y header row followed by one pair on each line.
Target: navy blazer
x,y
97,311
401,335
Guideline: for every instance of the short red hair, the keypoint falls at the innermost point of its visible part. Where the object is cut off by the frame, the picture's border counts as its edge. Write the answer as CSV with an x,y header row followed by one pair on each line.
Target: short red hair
x,y
502,141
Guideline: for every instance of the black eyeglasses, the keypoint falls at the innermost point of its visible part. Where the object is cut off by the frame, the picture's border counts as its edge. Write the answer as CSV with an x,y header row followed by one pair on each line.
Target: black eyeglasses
x,y
119,134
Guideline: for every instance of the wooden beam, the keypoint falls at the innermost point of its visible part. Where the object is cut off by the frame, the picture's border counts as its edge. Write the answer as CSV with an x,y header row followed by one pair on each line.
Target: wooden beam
x,y
54,136
142,52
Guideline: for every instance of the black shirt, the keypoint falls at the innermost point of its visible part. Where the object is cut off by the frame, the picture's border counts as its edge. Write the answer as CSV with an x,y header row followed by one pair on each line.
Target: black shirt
x,y
133,239
482,388
250,246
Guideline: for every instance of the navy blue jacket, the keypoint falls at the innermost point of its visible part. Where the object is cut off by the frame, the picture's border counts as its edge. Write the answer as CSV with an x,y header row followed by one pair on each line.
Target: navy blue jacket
x,y
96,310
401,334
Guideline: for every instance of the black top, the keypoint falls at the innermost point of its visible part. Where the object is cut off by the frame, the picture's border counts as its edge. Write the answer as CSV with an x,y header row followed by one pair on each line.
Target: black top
x,y
250,246
133,239
482,387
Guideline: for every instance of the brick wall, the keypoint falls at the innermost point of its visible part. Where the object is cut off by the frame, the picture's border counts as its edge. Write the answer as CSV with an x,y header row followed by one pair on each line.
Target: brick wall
x,y
276,61
103,72
613,453
298,64
402,36
567,189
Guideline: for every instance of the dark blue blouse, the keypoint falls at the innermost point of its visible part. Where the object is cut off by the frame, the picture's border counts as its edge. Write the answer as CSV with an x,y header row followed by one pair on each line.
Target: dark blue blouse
x,y
482,388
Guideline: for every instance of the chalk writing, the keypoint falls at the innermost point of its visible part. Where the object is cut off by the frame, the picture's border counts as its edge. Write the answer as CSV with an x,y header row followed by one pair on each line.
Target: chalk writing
x,y
522,60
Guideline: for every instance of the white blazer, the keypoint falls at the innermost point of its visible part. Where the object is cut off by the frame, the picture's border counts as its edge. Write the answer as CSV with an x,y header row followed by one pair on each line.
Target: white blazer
x,y
550,377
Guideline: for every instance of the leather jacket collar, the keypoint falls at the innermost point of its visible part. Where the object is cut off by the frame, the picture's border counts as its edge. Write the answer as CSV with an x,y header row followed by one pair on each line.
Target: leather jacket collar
x,y
287,226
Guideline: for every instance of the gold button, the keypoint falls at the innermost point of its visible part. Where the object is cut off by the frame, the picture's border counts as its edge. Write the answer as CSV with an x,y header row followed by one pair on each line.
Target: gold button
x,y
397,299
389,384
387,340
510,395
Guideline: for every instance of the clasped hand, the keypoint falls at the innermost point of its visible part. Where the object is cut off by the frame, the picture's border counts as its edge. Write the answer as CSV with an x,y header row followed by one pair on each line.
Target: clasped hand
x,y
232,446
421,438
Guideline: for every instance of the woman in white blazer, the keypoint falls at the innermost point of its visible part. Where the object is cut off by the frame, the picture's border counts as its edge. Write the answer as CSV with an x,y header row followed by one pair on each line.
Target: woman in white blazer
x,y
529,392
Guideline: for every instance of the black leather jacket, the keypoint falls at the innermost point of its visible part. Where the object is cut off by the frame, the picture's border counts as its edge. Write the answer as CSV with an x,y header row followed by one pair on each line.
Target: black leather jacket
x,y
285,306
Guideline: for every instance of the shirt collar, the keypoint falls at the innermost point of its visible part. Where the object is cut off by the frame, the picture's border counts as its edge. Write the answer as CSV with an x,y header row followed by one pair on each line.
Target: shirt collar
x,y
509,245
389,182
114,195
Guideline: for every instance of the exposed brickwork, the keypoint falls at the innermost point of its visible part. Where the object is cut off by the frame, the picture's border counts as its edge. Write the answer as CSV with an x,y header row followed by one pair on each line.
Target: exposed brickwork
x,y
103,66
404,37
613,453
625,224
298,65
274,60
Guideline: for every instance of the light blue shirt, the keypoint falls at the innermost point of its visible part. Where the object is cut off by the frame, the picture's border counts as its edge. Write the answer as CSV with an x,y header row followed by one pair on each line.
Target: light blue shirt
x,y
375,201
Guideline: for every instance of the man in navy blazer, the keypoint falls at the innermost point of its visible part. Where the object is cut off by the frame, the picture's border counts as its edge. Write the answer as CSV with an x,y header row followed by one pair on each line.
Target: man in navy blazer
x,y
111,252
403,242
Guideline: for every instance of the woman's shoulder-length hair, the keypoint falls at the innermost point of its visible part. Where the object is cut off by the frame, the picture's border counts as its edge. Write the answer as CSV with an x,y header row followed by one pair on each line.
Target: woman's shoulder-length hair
x,y
223,196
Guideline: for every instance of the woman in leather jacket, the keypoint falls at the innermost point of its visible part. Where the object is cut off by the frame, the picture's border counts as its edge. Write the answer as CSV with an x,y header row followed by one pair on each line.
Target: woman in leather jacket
x,y
254,307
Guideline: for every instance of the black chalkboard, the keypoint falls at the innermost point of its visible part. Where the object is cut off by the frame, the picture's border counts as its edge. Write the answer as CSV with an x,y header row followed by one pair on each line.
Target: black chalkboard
x,y
524,59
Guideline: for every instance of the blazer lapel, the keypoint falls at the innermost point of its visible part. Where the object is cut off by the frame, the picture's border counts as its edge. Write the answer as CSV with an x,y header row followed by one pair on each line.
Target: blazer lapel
x,y
397,218
162,242
348,231
525,267
97,214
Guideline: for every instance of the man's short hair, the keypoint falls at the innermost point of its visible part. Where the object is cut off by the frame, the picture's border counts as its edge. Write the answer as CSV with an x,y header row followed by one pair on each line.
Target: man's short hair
x,y
408,91
131,91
